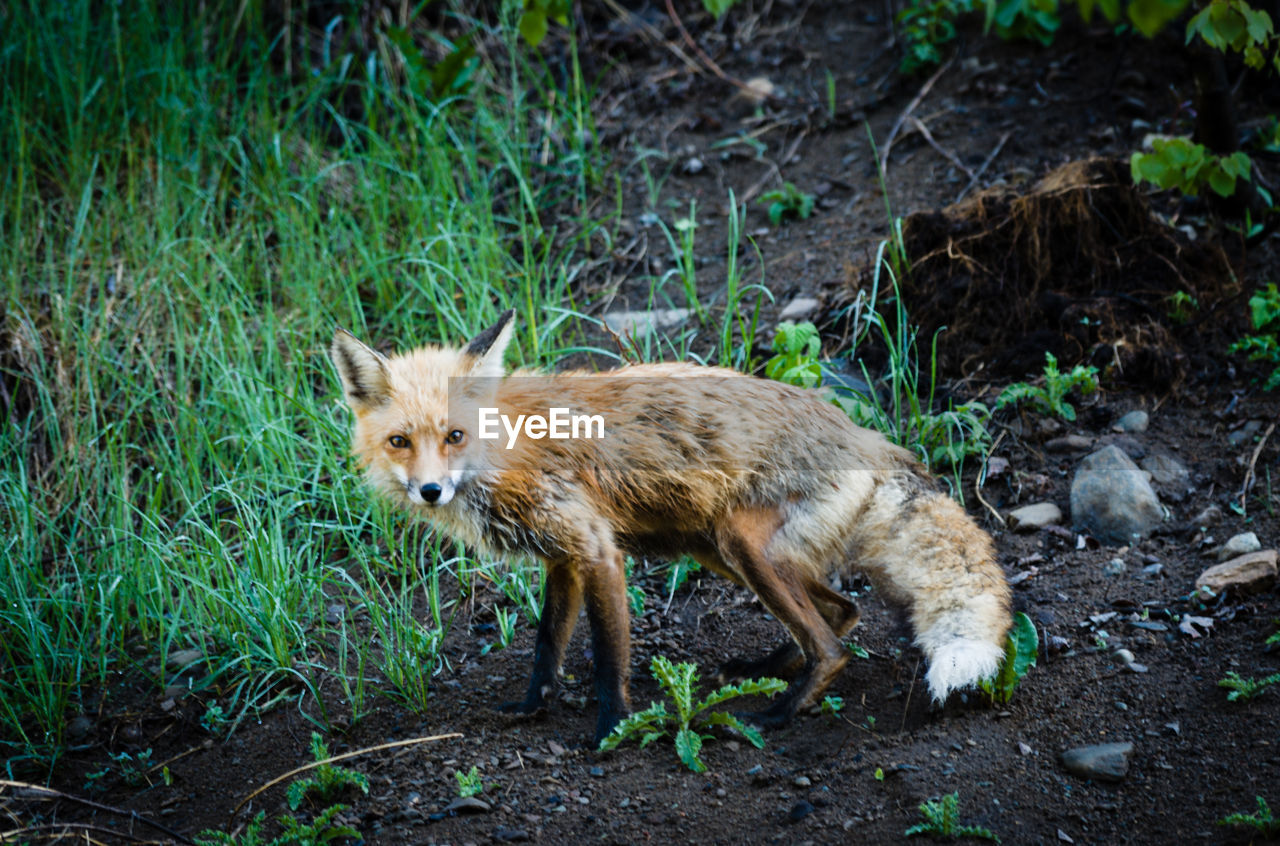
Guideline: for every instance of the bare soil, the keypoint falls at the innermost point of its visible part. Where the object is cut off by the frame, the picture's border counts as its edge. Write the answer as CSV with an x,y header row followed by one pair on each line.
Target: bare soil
x,y
1015,112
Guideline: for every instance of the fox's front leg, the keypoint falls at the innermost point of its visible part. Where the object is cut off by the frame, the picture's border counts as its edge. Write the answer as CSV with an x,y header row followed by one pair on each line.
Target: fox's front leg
x,y
605,581
562,599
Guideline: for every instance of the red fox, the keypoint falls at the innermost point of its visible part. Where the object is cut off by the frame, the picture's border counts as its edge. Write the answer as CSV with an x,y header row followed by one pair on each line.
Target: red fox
x,y
768,485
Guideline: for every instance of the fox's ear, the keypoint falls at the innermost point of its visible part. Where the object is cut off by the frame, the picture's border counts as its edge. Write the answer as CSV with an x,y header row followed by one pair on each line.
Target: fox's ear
x,y
490,347
363,371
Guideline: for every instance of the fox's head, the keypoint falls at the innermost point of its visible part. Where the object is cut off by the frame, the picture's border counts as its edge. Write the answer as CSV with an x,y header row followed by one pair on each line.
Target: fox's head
x,y
413,435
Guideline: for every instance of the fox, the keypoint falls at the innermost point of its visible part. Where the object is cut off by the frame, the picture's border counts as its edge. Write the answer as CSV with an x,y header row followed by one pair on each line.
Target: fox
x,y
768,485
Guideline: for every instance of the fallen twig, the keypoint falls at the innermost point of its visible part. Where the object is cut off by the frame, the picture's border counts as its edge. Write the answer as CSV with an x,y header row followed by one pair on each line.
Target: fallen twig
x,y
344,756
1253,461
906,113
42,792
978,173
947,154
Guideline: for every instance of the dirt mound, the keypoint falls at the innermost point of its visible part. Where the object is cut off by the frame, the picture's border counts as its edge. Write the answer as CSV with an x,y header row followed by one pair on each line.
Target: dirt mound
x,y
1076,265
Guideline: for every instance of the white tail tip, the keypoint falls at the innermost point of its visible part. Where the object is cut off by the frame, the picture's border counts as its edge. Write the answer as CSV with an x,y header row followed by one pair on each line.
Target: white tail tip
x,y
961,663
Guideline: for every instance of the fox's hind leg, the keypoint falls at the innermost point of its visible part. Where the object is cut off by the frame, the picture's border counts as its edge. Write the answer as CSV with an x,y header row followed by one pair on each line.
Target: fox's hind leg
x,y
743,540
562,600
841,614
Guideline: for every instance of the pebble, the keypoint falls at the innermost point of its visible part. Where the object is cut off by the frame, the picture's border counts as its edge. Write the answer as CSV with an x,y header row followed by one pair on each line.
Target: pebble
x,y
1207,518
1112,499
1134,421
467,805
510,835
1031,518
1103,762
1114,567
800,810
798,308
1250,573
1068,443
642,323
184,658
1241,544
596,772
335,613
1244,433
693,166
801,781
80,727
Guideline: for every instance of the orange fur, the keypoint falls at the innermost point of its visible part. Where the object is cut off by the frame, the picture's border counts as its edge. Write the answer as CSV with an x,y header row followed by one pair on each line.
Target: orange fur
x,y
766,484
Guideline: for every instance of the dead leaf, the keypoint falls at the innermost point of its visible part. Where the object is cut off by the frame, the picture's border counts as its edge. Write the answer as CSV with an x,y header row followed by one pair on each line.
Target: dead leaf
x,y
1190,621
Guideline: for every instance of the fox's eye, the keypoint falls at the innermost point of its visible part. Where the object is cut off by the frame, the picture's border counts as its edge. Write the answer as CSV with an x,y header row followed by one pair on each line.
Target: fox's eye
x,y
455,437
398,441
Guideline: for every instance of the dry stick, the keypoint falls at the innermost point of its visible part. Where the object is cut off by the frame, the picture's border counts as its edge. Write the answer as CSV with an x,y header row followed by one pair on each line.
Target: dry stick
x,y
59,830
711,64
50,793
906,706
947,154
906,113
978,174
1248,474
977,484
344,756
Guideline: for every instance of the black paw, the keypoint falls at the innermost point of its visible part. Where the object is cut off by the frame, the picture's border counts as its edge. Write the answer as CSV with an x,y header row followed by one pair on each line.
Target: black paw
x,y
524,708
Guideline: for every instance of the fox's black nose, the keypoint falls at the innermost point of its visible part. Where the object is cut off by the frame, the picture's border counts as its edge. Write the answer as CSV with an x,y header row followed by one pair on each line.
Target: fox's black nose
x,y
430,491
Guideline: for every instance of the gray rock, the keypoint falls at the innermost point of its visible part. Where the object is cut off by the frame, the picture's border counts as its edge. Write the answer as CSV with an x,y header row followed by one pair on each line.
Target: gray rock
x,y
1245,433
1114,567
1241,544
1104,762
1134,421
1247,574
642,323
184,658
467,805
1173,478
1030,518
799,308
1112,499
1068,443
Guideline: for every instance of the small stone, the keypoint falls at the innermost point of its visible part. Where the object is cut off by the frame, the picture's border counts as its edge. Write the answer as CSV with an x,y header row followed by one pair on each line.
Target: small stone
x,y
800,810
1031,518
1023,749
80,727
798,308
1166,470
467,805
1206,519
184,658
1134,421
1250,573
1068,443
1114,567
693,166
334,613
596,772
1241,544
801,781
1103,762
1153,570
1112,499
642,323
1245,433
510,835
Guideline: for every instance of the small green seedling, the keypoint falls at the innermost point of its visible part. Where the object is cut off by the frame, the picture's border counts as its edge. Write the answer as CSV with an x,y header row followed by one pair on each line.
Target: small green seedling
x,y
1052,398
1264,343
786,202
678,681
1183,164
832,705
469,784
1242,688
858,651
215,719
1181,306
295,833
1019,657
327,782
1275,636
1262,820
795,355
942,819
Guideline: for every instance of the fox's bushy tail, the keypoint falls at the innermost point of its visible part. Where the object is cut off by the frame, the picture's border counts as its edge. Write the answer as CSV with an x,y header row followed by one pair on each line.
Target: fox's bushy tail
x,y
930,556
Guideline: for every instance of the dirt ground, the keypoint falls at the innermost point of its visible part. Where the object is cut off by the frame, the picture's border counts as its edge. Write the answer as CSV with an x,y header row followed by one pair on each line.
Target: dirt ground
x,y
1009,114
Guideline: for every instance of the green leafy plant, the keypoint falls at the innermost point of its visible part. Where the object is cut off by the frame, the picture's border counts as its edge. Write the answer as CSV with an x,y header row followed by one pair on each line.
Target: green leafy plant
x,y
679,571
795,358
432,81
295,832
690,717
717,8
1275,637
214,720
832,705
1034,20
1052,398
1246,688
326,781
942,819
469,784
1236,26
1020,651
787,202
534,21
1181,306
1261,820
924,26
1181,163
1264,343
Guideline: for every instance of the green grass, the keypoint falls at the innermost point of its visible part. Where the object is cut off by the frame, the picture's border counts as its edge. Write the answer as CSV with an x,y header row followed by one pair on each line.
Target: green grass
x,y
183,222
